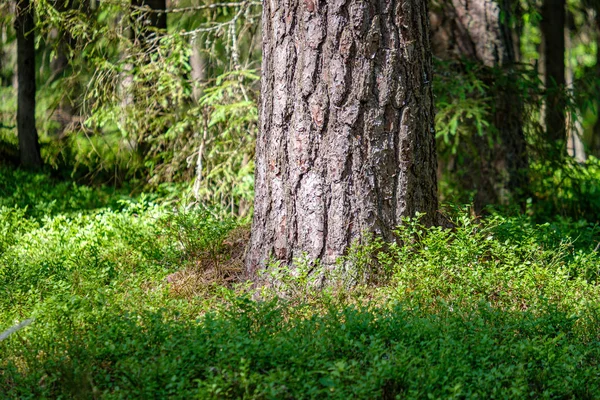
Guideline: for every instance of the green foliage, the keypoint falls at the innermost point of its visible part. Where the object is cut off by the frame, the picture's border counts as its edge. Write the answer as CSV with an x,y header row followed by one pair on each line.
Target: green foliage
x,y
509,263
463,104
264,350
40,195
499,307
197,232
227,144
569,189
127,107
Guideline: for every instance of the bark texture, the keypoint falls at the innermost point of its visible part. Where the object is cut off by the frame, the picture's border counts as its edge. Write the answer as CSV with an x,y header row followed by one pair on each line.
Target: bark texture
x,y
29,148
346,143
471,29
553,45
478,30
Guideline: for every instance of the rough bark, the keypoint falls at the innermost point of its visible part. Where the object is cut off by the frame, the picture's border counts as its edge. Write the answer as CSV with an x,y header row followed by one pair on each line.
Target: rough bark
x,y
478,30
553,44
471,29
28,137
346,143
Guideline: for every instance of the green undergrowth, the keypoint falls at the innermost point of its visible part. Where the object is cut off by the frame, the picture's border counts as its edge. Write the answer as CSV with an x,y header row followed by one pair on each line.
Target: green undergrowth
x,y
40,195
132,298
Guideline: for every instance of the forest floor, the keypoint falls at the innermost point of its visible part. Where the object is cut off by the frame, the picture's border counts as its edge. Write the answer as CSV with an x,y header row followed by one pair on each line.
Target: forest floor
x,y
139,297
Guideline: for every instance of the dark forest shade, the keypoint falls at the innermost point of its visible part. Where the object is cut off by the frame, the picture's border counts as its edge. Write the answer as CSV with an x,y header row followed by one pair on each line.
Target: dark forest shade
x,y
479,31
553,35
347,142
153,18
28,138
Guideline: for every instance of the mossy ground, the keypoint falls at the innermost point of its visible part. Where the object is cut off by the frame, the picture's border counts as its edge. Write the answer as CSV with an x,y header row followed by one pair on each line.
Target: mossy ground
x,y
139,298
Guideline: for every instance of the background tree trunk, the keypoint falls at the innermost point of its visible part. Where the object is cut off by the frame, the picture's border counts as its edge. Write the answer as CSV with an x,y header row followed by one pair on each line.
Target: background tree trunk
x,y
198,68
346,143
28,138
553,36
595,139
471,29
478,30
5,79
64,112
575,147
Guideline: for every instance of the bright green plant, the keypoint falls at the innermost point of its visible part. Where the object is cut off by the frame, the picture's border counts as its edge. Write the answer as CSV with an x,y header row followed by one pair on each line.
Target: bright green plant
x,y
496,307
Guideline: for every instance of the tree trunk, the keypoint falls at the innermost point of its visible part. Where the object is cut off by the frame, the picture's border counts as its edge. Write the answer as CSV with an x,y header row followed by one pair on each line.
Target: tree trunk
x,y
28,138
5,79
63,114
346,144
553,36
575,147
478,30
471,29
198,68
595,140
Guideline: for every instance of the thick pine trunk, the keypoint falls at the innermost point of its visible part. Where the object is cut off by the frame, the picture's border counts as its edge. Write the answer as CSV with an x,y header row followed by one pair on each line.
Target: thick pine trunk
x,y
553,36
28,138
346,144
478,30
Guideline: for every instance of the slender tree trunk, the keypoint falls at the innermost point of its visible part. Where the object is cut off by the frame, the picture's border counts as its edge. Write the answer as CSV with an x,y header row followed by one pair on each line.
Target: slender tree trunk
x,y
575,147
4,80
63,114
28,138
198,66
595,140
553,35
346,144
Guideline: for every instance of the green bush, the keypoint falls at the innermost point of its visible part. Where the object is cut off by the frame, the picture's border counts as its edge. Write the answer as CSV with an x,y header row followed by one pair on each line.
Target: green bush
x,y
500,307
269,350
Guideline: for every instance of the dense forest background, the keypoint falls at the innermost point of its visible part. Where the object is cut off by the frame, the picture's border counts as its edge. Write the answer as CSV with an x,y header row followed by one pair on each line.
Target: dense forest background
x,y
127,158
157,93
